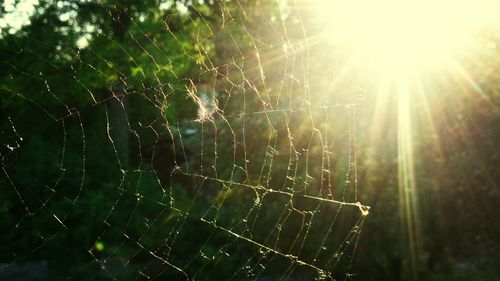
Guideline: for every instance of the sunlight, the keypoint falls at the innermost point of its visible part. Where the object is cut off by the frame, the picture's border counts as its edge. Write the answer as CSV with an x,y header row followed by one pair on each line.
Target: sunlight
x,y
398,43
403,34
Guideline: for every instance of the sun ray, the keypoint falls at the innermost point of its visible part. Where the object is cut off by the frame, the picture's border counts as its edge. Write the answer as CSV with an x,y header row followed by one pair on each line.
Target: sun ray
x,y
400,45
406,174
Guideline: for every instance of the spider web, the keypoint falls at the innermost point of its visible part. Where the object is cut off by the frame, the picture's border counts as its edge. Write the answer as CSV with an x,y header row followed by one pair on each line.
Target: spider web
x,y
229,155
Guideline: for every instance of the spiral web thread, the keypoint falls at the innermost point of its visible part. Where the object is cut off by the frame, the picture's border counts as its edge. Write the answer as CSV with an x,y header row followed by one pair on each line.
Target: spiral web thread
x,y
265,167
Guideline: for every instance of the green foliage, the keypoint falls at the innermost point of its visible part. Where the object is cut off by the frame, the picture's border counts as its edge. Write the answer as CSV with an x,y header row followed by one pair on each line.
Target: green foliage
x,y
89,172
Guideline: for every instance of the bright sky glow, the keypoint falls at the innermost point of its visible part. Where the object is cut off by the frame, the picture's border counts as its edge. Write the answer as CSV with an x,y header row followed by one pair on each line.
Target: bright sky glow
x,y
403,33
17,15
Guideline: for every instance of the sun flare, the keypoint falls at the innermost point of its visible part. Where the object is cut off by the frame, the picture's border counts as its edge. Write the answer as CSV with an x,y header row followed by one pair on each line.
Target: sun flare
x,y
400,43
403,34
